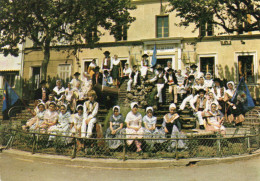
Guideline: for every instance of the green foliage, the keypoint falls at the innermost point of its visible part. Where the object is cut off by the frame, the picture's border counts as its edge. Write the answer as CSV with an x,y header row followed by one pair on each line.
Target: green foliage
x,y
67,22
150,97
231,15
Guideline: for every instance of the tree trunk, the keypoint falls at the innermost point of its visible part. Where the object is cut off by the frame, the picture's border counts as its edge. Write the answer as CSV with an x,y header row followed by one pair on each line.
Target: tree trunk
x,y
45,62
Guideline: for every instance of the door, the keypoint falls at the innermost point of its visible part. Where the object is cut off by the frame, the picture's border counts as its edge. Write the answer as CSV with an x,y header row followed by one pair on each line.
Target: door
x,y
207,64
246,68
163,62
36,77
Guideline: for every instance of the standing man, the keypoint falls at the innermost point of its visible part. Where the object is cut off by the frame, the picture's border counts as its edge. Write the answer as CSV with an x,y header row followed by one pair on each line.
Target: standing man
x,y
144,66
106,64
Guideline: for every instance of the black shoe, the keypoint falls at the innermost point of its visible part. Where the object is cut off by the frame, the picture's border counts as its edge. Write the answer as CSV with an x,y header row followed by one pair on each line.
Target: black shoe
x,y
202,127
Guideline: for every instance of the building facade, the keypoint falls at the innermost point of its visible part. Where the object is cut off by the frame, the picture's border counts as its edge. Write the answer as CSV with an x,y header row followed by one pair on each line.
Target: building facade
x,y
226,56
11,69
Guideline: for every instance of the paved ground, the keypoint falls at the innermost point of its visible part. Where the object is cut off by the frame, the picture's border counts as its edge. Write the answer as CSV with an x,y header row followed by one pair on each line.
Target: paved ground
x,y
14,168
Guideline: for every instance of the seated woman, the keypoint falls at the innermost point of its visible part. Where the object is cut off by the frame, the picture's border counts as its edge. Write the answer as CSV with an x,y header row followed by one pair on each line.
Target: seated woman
x,y
77,120
172,127
150,127
233,110
50,99
115,129
58,90
33,123
134,126
50,117
62,125
214,122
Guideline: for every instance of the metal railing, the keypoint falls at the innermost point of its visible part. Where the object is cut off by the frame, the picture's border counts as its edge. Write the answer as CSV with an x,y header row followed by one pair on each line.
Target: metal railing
x,y
215,145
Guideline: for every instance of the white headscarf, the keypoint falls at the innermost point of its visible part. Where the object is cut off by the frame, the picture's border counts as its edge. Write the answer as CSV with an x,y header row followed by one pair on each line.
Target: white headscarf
x,y
172,105
66,107
149,108
231,82
133,104
80,105
117,108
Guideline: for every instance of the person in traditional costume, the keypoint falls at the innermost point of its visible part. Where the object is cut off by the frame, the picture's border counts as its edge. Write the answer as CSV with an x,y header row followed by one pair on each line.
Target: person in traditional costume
x,y
90,110
214,121
160,80
172,127
233,111
58,90
144,66
134,127
50,117
116,70
150,129
115,130
172,83
75,81
91,68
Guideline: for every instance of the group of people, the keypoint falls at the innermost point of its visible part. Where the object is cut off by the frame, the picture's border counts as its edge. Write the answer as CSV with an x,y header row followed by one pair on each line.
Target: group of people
x,y
73,111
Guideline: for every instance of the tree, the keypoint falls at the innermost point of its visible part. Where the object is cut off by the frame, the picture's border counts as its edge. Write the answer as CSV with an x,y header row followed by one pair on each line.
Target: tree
x,y
48,22
231,15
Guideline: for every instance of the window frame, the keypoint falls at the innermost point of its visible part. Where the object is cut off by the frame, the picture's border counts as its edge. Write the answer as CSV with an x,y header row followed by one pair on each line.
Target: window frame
x,y
67,71
156,27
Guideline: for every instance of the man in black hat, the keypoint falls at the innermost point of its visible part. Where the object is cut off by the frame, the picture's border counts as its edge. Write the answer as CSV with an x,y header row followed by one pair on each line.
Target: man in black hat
x,y
160,80
194,70
144,66
75,81
189,86
42,92
134,78
200,102
219,90
106,63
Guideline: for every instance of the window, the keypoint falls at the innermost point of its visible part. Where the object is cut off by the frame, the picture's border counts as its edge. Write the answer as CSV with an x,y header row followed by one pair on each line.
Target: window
x,y
121,33
206,29
10,77
91,35
162,26
246,68
64,71
207,64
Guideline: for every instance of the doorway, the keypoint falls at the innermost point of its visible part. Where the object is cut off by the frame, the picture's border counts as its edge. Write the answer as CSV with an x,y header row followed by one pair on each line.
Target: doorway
x,y
36,77
207,64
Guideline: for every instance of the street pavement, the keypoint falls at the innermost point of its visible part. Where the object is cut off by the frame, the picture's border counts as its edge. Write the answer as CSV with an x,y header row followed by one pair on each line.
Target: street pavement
x,y
16,168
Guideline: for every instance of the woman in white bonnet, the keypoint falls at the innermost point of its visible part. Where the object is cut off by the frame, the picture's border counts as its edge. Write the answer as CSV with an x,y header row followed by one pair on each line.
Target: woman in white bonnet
x,y
172,127
150,127
214,122
134,126
233,110
115,129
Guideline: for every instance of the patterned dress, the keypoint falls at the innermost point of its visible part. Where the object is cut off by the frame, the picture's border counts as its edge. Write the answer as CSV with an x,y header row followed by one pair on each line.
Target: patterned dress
x,y
156,133
133,120
173,128
116,121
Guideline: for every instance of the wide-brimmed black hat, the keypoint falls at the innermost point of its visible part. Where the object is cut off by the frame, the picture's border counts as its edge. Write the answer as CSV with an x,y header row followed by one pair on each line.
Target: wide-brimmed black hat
x,y
201,90
170,70
193,66
97,68
76,73
160,68
191,77
217,80
106,53
43,82
144,55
